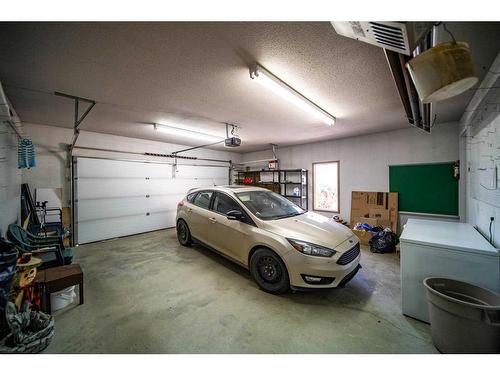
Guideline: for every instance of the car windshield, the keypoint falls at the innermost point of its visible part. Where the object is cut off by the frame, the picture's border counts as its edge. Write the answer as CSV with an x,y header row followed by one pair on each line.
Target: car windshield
x,y
267,205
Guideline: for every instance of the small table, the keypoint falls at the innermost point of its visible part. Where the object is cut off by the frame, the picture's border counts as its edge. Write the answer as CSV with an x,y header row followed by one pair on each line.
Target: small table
x,y
55,279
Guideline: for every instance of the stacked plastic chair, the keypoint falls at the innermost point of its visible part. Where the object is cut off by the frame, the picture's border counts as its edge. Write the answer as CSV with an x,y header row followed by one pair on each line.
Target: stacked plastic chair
x,y
50,249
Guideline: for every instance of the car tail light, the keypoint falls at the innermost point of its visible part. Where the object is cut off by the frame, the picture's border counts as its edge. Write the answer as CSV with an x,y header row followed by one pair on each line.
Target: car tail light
x,y
180,204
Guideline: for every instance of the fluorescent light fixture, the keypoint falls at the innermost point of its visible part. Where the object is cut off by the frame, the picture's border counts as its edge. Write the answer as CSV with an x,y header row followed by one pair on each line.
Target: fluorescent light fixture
x,y
185,133
269,80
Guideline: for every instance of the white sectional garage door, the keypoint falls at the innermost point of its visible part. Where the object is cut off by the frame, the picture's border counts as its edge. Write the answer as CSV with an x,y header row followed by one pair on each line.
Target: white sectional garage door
x,y
116,198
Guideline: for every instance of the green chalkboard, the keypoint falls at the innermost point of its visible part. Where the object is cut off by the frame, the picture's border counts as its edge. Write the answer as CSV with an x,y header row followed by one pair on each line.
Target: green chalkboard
x,y
425,188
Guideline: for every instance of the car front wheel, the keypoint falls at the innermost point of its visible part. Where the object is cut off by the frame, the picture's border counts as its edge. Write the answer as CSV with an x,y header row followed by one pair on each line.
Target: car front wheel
x,y
183,233
269,271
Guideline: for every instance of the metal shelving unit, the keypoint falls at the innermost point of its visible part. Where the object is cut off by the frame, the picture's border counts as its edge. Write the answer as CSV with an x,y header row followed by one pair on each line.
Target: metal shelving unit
x,y
290,183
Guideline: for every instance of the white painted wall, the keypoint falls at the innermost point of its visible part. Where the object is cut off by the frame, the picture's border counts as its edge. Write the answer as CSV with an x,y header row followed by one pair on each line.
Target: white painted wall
x,y
480,145
364,160
51,145
482,152
10,186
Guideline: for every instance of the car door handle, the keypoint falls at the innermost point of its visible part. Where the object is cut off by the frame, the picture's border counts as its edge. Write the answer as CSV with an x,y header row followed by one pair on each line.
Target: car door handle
x,y
212,220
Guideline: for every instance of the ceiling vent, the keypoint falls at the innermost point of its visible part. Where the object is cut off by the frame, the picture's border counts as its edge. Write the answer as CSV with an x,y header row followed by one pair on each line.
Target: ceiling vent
x,y
401,37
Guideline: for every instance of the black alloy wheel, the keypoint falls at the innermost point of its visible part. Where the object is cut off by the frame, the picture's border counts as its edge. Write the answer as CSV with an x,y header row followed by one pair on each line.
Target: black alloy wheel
x,y
183,233
269,271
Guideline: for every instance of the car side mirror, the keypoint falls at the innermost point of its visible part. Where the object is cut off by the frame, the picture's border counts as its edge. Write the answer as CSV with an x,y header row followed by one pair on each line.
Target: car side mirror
x,y
235,215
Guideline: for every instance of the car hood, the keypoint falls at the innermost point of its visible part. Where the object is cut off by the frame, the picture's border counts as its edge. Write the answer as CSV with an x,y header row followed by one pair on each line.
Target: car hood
x,y
310,227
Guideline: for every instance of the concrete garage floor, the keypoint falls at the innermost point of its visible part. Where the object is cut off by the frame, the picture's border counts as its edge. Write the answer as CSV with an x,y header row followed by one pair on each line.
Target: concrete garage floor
x,y
147,294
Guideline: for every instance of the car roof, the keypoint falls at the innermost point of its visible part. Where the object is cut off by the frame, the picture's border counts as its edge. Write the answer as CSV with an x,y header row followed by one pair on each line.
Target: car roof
x,y
229,188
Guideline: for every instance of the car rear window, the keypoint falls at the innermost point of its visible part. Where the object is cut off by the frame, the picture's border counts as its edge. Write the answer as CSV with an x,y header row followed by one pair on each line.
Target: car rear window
x,y
190,197
202,199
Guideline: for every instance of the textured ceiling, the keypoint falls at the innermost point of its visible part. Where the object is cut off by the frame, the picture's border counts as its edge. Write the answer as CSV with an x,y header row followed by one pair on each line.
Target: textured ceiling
x,y
195,75
484,42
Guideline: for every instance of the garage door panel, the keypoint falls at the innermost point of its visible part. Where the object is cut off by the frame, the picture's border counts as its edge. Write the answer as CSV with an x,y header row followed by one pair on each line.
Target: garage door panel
x,y
116,188
165,202
161,220
96,230
160,186
163,171
104,168
119,198
183,185
95,209
195,172
110,188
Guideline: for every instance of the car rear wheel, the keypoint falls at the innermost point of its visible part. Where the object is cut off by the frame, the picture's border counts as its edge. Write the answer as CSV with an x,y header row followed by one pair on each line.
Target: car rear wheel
x,y
269,271
183,233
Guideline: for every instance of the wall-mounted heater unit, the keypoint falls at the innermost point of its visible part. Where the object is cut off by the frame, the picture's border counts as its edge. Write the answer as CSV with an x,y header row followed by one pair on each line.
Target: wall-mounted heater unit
x,y
401,37
400,41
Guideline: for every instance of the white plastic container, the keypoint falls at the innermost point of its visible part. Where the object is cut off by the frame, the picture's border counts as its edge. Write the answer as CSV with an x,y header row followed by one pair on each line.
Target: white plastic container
x,y
63,298
442,72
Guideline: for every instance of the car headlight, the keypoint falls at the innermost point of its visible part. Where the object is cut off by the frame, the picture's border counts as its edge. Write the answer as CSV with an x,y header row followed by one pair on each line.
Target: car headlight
x,y
311,249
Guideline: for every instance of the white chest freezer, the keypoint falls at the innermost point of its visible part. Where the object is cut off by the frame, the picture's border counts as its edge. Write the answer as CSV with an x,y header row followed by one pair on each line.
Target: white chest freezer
x,y
443,249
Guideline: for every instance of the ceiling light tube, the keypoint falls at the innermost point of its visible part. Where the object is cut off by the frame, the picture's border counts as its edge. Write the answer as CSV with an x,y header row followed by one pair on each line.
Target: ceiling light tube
x,y
269,80
185,133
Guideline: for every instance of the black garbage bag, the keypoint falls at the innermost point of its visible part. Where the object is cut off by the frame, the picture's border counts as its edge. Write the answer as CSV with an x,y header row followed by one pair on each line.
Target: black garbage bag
x,y
383,242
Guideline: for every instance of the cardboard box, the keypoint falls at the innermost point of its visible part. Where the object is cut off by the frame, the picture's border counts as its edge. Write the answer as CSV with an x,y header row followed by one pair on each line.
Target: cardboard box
x,y
384,224
382,206
363,235
379,213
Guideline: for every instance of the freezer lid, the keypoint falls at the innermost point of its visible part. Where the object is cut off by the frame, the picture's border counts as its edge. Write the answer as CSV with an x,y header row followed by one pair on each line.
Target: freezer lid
x,y
450,235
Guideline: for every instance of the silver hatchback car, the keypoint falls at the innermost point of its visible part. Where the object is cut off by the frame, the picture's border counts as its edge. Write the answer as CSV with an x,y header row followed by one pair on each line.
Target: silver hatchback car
x,y
282,245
